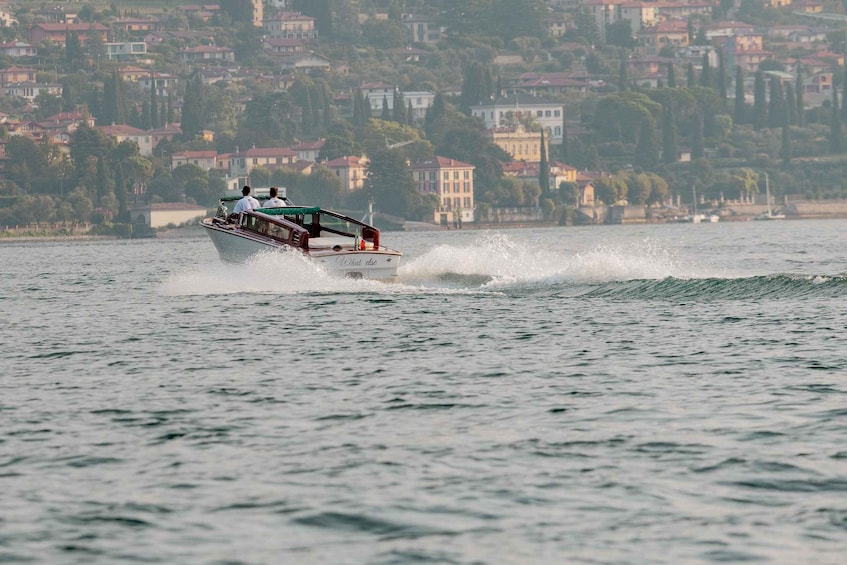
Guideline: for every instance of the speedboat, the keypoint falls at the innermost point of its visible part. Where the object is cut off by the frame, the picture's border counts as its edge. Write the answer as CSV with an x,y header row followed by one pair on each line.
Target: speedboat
x,y
341,244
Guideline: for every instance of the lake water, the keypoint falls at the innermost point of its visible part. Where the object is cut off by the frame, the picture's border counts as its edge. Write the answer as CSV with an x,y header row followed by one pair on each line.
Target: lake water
x,y
633,394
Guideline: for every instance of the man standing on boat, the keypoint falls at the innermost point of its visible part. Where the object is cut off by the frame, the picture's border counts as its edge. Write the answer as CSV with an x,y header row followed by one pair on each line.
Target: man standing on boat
x,y
246,203
274,201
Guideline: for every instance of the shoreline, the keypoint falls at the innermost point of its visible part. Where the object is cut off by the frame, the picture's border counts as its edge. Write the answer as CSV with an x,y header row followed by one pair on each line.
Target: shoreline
x,y
180,233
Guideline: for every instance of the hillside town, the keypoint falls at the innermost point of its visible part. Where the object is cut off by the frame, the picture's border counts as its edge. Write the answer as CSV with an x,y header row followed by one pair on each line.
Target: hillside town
x,y
453,114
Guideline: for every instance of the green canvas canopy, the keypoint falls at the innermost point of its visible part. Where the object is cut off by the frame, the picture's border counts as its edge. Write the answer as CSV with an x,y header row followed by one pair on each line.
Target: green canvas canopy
x,y
288,210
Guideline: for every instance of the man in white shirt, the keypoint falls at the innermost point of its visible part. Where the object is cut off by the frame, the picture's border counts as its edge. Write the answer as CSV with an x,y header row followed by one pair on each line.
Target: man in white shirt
x,y
246,203
274,201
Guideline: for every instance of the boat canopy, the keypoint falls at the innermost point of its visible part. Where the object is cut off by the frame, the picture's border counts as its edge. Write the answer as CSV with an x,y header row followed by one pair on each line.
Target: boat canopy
x,y
288,210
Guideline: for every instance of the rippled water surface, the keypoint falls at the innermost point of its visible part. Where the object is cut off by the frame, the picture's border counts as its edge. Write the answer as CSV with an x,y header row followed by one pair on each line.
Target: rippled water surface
x,y
655,394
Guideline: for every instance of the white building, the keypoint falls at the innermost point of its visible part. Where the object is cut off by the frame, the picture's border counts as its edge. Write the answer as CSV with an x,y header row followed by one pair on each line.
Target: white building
x,y
544,112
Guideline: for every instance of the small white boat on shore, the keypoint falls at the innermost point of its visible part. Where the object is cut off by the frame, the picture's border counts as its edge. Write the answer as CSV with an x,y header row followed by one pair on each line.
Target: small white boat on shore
x,y
341,244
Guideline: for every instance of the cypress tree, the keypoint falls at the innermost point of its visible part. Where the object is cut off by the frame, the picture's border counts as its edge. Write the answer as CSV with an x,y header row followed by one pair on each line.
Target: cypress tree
x,y
671,76
776,105
760,111
785,146
669,148
564,153
740,106
399,108
154,103
790,107
798,91
170,110
410,114
706,73
697,145
843,91
647,147
543,170
836,136
691,81
622,74
386,113
722,78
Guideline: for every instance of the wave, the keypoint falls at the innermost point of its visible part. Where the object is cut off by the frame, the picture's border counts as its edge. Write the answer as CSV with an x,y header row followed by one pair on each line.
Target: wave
x,y
495,262
709,289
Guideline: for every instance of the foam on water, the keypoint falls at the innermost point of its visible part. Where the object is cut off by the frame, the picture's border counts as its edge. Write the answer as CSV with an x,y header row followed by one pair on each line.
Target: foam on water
x,y
506,262
491,262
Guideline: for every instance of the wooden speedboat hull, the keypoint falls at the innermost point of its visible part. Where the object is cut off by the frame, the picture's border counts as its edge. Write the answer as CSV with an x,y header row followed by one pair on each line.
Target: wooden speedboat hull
x,y
235,245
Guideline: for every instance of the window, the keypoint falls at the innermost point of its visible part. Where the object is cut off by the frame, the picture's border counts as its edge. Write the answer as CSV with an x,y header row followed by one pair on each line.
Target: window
x,y
446,175
547,113
557,113
467,186
539,113
467,175
467,203
455,175
557,131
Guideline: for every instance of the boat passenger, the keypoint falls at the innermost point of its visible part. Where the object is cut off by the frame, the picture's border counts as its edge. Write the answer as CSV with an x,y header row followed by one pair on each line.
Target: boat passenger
x,y
274,201
246,203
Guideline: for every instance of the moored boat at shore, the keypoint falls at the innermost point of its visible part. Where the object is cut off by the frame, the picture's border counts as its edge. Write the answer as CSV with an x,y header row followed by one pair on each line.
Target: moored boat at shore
x,y
341,244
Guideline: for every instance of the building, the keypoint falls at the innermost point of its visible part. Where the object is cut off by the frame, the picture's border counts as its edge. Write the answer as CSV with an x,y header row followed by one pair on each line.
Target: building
x,y
206,160
122,132
308,150
30,90
516,107
205,53
165,214
17,49
58,33
451,182
670,33
164,82
350,170
291,25
125,50
421,29
522,145
242,163
131,25
17,74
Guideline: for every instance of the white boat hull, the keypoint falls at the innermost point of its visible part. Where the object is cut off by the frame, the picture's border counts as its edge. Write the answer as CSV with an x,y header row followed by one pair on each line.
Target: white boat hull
x,y
236,246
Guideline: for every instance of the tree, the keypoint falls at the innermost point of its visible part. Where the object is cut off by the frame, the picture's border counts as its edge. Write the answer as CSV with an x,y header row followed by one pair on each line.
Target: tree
x,y
760,111
622,80
669,147
386,113
74,55
544,170
776,105
722,78
620,33
564,153
836,135
740,106
389,183
798,91
336,146
790,106
192,108
706,79
477,85
154,102
697,146
785,147
399,113
647,147
671,76
690,78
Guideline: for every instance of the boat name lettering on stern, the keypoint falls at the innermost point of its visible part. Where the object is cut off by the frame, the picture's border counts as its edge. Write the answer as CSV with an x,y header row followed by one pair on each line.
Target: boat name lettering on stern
x,y
354,262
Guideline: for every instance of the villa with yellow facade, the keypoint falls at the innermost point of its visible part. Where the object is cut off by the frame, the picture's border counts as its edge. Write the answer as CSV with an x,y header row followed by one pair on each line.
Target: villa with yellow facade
x,y
452,182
